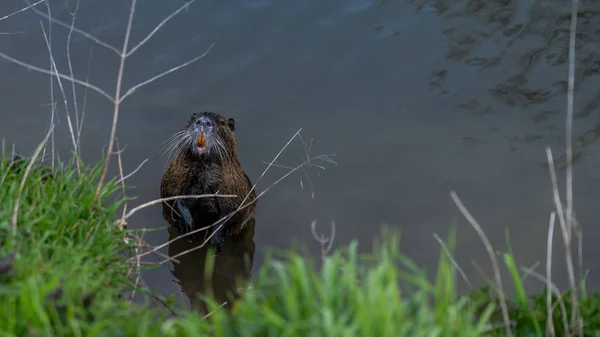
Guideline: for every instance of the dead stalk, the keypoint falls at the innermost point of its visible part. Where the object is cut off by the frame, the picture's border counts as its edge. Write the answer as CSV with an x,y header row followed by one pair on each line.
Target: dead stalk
x,y
158,201
452,260
53,66
490,250
325,242
576,319
21,10
554,289
550,324
117,102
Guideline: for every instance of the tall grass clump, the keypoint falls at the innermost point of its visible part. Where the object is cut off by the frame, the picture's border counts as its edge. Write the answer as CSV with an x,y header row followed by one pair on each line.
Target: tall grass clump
x,y
62,273
377,294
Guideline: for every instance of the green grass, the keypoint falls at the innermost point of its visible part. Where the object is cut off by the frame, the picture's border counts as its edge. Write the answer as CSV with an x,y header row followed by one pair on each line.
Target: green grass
x,y
69,277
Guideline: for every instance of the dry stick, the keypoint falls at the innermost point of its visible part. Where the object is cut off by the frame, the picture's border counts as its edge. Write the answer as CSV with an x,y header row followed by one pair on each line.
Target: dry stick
x,y
52,73
52,102
53,66
75,29
154,78
550,321
117,102
575,318
222,220
22,185
21,10
84,103
490,251
75,105
158,27
325,242
120,161
565,234
556,291
133,172
158,201
451,258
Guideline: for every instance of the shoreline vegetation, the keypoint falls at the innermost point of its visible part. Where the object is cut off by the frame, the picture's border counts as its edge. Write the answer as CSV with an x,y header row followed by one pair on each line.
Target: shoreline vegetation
x,y
69,266
66,272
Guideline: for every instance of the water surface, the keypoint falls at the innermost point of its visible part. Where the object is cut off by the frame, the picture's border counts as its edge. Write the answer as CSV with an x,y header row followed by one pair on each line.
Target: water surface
x,y
415,98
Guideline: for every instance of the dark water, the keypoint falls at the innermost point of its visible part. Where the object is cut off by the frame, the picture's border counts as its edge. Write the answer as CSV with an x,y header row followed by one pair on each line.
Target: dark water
x,y
415,98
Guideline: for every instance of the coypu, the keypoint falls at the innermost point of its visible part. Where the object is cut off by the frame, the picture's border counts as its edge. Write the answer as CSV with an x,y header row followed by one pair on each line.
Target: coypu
x,y
205,162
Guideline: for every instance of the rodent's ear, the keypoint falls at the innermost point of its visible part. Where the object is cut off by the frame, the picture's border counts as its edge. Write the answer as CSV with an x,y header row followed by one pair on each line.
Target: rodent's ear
x,y
231,123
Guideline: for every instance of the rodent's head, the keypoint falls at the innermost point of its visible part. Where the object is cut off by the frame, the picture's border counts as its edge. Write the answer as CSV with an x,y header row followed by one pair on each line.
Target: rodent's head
x,y
207,135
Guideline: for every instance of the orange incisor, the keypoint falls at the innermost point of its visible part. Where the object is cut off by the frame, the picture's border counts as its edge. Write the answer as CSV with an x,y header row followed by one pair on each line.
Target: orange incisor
x,y
202,141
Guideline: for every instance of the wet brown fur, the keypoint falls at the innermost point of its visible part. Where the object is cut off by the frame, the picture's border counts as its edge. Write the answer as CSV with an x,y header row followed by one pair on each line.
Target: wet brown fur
x,y
189,174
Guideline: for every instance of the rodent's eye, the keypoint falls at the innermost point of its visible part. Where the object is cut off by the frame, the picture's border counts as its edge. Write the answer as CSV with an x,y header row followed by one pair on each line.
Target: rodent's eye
x,y
222,122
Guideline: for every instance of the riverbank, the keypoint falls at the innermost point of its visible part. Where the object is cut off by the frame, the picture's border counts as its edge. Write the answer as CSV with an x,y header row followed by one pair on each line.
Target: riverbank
x,y
65,271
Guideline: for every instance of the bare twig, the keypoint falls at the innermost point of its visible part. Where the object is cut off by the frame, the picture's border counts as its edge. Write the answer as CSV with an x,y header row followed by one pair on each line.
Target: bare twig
x,y
52,73
554,289
75,29
133,172
452,260
154,78
21,10
117,101
84,103
490,250
566,237
159,26
53,66
325,242
158,201
22,185
75,105
576,319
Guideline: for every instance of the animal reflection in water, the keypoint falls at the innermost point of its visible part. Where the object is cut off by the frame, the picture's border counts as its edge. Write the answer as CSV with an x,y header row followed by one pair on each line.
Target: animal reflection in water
x,y
232,266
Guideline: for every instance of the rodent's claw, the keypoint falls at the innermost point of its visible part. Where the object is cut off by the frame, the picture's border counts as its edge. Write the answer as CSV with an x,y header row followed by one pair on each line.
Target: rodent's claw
x,y
186,215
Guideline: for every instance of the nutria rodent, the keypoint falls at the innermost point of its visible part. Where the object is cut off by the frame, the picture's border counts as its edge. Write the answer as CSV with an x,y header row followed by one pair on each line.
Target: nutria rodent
x,y
205,161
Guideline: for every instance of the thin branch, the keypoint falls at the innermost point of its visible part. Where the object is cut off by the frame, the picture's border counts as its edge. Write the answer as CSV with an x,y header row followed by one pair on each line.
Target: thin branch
x,y
575,318
132,173
325,242
159,26
75,105
490,250
117,102
21,10
53,66
76,30
554,289
158,201
22,185
84,103
141,84
452,260
52,73
565,233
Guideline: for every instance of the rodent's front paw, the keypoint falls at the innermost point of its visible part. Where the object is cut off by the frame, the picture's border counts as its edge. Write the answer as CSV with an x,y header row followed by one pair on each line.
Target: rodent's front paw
x,y
186,215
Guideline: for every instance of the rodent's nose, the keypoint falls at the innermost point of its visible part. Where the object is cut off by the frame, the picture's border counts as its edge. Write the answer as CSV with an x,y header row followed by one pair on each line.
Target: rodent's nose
x,y
204,122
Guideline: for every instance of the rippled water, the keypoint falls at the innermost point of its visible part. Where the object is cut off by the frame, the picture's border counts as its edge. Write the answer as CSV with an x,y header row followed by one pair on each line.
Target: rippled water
x,y
415,98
